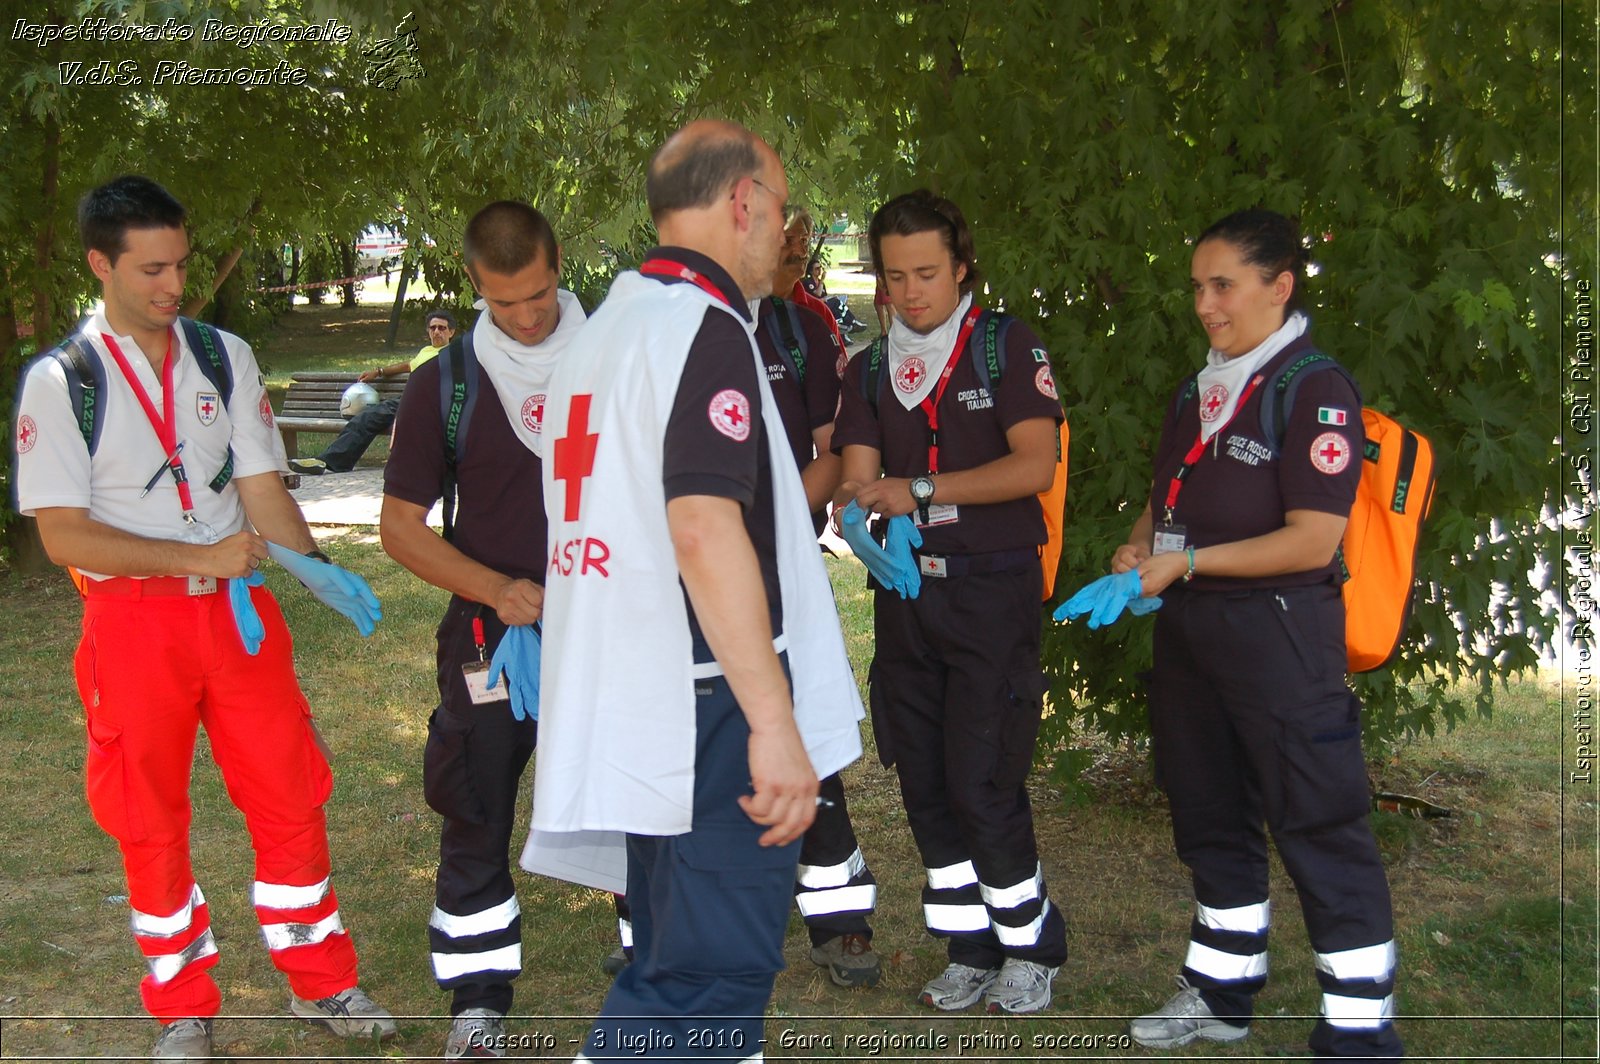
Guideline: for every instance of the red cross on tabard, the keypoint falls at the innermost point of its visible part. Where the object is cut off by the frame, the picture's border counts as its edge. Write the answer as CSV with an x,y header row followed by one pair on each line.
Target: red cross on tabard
x,y
912,375
538,412
1331,453
1213,403
205,408
575,453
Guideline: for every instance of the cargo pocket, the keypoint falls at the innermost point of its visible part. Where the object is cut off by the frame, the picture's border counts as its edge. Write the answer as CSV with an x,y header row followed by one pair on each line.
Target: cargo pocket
x,y
446,776
1322,776
731,892
882,732
319,773
112,801
1019,731
1297,614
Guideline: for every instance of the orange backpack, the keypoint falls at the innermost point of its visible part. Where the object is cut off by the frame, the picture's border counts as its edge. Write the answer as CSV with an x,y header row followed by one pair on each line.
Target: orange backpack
x,y
1379,551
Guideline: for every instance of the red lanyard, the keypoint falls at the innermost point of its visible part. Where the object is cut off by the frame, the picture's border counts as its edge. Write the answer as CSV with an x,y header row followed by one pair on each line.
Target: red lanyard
x,y
1199,447
668,268
165,424
930,404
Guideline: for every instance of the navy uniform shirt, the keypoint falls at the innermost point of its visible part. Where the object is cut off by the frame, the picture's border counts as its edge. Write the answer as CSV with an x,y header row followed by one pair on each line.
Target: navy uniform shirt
x,y
499,517
972,432
1239,489
805,405
716,442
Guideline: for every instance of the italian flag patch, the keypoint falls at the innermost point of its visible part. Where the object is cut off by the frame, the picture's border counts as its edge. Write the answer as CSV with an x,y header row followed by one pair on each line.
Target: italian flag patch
x,y
1329,415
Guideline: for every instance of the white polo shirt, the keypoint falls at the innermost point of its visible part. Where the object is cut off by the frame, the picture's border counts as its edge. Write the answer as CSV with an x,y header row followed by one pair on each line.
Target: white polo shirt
x,y
53,464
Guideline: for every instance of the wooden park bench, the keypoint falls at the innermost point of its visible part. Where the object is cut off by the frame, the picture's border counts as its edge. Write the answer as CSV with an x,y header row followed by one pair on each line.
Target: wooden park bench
x,y
312,403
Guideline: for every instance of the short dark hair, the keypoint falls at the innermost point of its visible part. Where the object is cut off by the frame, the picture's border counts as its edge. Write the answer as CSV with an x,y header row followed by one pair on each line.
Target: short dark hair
x,y
695,173
921,212
1268,241
449,318
106,213
507,236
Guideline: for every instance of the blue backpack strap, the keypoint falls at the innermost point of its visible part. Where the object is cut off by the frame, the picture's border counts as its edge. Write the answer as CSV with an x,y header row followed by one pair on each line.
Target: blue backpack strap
x,y
458,395
206,343
788,336
86,384
1283,388
872,376
988,347
1185,392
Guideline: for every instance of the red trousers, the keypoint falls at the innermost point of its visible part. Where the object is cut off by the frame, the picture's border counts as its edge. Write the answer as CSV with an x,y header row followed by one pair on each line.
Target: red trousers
x,y
151,669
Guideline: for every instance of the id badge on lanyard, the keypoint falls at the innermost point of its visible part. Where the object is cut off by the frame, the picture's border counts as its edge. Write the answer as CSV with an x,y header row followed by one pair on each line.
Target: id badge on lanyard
x,y
476,673
165,426
1168,535
944,513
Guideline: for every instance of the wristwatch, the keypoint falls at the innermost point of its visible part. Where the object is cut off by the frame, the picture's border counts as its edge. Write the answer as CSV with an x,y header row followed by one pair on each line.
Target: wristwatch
x,y
922,492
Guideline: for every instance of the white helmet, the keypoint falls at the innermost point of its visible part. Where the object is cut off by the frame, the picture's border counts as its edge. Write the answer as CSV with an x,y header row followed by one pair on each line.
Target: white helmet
x,y
357,398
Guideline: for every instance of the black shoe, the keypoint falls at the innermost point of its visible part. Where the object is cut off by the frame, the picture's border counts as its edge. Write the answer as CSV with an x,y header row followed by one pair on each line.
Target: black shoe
x,y
311,467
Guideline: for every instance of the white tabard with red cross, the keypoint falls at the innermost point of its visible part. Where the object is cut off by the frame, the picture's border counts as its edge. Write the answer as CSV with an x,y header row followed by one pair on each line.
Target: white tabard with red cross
x,y
616,722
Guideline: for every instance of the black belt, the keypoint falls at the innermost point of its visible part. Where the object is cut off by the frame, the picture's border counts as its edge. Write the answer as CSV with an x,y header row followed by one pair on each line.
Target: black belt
x,y
999,561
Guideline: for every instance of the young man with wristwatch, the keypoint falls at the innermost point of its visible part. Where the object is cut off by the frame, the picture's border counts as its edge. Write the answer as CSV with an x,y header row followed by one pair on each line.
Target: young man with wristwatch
x,y
956,683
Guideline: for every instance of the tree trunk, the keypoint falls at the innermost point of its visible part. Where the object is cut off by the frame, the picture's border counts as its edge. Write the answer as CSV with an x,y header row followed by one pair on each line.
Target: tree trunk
x,y
44,244
407,267
347,262
24,548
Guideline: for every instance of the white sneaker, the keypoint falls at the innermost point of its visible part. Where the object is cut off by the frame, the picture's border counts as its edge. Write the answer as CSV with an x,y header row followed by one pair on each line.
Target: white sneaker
x,y
1022,986
1184,1017
349,1013
476,1034
185,1039
959,986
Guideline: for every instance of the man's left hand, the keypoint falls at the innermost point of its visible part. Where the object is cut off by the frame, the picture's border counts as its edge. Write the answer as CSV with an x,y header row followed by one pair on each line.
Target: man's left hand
x,y
786,786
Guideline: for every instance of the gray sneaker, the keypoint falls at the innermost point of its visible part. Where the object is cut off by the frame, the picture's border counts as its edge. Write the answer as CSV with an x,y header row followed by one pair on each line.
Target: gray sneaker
x,y
618,959
1184,1017
349,1013
958,987
850,960
1022,986
185,1039
476,1034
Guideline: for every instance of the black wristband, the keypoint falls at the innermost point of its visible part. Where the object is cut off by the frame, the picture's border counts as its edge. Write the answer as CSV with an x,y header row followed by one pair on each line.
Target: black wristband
x,y
321,557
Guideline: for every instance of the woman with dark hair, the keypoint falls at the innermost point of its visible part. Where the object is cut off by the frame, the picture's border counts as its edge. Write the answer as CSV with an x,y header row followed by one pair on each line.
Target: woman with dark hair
x,y
926,429
1250,717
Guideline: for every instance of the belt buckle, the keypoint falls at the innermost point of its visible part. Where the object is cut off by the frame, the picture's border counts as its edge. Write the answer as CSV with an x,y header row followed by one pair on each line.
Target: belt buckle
x,y
933,565
202,585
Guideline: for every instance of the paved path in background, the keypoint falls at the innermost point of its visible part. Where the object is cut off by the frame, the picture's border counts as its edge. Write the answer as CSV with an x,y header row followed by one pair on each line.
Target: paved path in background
x,y
356,497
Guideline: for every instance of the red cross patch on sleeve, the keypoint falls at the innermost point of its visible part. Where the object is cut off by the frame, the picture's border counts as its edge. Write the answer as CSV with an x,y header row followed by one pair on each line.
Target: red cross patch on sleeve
x,y
1330,453
27,434
730,414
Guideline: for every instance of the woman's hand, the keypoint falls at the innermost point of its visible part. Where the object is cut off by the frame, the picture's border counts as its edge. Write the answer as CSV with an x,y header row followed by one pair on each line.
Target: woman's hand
x,y
1158,571
1128,556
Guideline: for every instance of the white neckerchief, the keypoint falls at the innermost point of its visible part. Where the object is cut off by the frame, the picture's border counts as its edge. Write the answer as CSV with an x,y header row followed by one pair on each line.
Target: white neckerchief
x,y
917,359
1224,378
521,373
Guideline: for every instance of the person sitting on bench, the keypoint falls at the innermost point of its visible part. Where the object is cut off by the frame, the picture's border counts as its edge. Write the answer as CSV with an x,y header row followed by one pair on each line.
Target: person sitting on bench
x,y
347,448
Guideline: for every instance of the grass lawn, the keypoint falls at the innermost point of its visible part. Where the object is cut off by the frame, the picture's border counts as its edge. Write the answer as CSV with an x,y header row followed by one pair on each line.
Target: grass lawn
x,y
1495,905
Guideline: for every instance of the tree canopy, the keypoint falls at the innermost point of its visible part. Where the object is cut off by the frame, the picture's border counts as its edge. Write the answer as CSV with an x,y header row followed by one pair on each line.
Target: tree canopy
x,y
1436,152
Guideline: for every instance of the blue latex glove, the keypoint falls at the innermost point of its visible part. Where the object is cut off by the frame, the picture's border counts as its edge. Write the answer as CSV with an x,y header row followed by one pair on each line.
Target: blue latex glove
x,y
896,572
518,657
902,536
1104,600
338,588
245,617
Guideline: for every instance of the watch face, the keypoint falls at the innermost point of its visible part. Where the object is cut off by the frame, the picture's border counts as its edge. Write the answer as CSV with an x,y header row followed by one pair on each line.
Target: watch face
x,y
922,488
